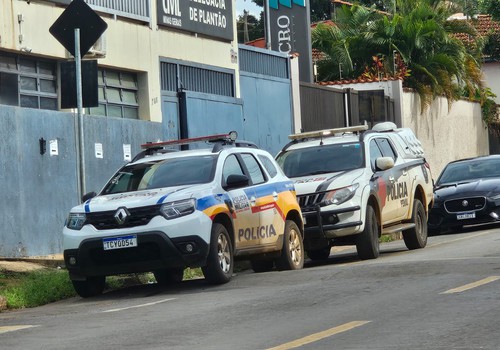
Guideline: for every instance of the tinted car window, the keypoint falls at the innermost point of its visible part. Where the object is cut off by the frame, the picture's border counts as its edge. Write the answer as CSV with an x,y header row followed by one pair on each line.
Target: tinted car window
x,y
167,173
268,164
375,153
254,169
470,170
321,160
231,167
386,148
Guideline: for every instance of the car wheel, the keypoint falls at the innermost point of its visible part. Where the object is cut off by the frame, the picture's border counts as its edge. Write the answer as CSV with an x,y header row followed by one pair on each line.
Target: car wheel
x,y
367,242
219,266
167,277
292,254
90,287
320,254
262,265
416,237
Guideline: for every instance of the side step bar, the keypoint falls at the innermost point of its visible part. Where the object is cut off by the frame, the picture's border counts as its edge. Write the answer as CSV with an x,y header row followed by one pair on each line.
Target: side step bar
x,y
397,228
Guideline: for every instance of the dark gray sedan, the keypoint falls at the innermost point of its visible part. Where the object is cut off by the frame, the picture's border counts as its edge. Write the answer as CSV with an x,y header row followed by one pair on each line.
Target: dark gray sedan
x,y
467,192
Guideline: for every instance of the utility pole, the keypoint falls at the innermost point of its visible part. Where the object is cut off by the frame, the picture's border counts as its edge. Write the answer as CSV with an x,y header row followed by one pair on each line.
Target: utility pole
x,y
245,27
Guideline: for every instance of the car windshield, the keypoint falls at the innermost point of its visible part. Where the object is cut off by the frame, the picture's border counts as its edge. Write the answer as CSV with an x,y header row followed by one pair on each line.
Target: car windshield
x,y
469,170
322,159
163,173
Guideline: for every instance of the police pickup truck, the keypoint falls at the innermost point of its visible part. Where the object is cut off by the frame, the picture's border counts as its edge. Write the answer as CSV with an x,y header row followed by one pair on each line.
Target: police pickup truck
x,y
355,184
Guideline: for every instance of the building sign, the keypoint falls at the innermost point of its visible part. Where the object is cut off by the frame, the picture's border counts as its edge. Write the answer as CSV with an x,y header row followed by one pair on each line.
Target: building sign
x,y
208,17
290,29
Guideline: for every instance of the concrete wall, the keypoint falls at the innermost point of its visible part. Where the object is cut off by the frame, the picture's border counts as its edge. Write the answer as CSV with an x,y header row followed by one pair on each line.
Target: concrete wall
x,y
447,132
491,73
38,190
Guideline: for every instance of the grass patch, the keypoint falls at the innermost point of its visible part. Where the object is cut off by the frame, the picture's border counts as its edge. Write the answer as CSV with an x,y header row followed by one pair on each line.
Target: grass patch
x,y
30,289
36,288
190,273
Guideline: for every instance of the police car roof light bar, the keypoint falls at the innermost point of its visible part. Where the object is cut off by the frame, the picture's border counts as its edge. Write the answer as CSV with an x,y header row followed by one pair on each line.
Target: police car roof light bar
x,y
327,132
230,137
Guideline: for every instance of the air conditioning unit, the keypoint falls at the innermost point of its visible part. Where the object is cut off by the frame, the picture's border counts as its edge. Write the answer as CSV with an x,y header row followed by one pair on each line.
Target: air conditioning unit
x,y
98,50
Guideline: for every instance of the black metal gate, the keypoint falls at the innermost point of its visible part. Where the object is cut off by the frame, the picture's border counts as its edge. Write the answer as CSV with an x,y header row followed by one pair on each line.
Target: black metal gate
x,y
326,107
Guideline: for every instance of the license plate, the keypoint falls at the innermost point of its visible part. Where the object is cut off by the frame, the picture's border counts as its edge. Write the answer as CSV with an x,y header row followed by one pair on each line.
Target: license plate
x,y
464,216
119,242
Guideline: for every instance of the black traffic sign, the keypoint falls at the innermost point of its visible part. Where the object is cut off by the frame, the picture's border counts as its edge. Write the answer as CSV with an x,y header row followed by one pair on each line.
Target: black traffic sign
x,y
78,15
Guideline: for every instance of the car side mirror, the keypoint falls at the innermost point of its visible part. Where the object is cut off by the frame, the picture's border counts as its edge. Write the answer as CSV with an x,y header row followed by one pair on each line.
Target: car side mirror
x,y
87,196
236,181
384,163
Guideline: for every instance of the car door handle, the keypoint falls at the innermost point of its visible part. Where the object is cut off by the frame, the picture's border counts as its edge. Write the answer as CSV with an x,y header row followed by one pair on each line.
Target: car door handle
x,y
275,196
252,200
405,173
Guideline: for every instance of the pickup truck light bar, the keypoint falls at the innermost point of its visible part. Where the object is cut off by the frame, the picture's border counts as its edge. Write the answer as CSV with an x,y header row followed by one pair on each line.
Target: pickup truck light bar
x,y
327,132
230,137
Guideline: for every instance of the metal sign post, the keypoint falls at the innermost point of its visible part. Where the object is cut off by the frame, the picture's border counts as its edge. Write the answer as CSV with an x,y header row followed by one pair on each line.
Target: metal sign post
x,y
80,133
77,29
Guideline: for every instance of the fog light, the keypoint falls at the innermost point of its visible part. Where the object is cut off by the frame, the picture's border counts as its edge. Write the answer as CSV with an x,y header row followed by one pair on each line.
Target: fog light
x,y
189,248
494,215
72,260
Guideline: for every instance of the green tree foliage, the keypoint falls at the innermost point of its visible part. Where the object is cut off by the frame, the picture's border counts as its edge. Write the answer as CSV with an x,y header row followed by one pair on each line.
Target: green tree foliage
x,y
319,9
490,7
250,28
417,43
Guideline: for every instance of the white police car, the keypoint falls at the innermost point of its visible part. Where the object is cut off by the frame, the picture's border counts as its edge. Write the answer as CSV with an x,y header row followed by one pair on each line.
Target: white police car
x,y
355,184
168,210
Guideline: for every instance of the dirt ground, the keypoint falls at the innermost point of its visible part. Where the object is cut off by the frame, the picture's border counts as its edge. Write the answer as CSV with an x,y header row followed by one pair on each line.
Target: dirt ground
x,y
31,264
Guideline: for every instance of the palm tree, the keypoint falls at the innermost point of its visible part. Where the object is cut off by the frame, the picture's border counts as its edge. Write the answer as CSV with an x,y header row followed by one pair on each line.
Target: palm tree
x,y
419,33
344,44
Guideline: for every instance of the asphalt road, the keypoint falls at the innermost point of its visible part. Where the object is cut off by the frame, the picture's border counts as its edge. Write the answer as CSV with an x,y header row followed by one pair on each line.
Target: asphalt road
x,y
445,296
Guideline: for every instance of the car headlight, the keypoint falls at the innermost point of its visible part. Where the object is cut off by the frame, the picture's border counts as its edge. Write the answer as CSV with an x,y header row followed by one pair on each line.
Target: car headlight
x,y
76,221
172,210
340,195
496,197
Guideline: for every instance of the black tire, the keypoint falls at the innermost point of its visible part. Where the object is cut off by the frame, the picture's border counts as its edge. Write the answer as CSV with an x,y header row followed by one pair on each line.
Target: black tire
x,y
220,260
168,277
90,287
320,254
292,254
262,265
367,242
416,237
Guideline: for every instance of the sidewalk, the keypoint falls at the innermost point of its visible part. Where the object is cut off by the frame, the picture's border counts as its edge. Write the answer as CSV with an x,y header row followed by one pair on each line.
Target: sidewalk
x,y
31,263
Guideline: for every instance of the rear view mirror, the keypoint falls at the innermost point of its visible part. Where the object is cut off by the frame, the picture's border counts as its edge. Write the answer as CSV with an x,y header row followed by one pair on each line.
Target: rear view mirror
x,y
384,163
87,196
236,181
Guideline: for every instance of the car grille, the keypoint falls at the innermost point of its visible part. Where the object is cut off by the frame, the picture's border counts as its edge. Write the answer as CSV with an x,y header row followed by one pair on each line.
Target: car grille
x,y
465,204
105,220
308,200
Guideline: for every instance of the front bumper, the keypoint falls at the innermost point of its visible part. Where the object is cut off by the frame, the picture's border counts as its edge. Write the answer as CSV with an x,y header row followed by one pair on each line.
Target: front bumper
x,y
159,246
318,221
441,219
154,251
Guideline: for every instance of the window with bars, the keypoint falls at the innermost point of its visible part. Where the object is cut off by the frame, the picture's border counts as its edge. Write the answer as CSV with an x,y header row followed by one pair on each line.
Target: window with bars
x,y
175,76
28,82
118,94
